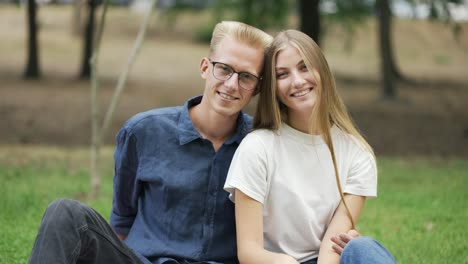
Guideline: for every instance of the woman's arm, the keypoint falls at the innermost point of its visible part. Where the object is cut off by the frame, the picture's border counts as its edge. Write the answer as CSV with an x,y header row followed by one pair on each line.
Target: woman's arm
x,y
340,223
249,225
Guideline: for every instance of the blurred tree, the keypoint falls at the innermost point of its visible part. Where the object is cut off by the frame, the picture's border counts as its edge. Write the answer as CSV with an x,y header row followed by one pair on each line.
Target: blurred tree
x,y
309,16
32,70
97,134
263,13
349,14
88,39
387,62
440,10
390,72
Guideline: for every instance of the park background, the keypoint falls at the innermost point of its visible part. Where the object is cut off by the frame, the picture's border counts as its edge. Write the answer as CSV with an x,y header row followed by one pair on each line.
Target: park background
x,y
420,134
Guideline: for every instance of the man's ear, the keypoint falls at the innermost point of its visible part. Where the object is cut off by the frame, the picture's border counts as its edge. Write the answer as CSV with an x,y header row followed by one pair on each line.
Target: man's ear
x,y
257,89
204,67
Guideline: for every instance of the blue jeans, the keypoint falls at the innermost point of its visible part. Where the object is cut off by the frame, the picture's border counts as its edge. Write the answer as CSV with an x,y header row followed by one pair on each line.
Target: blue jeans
x,y
363,250
71,232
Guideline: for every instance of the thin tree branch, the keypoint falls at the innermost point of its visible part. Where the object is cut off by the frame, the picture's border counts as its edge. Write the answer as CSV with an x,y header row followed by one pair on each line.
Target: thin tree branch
x,y
95,135
126,70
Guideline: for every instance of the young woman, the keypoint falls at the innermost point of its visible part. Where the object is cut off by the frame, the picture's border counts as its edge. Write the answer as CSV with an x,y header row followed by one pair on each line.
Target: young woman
x,y
302,176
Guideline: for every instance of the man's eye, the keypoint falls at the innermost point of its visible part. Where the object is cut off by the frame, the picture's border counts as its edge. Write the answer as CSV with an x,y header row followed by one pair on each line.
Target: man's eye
x,y
224,68
247,77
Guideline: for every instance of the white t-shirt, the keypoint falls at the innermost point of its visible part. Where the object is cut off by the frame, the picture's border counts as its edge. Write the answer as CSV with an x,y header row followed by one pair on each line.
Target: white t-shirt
x,y
291,173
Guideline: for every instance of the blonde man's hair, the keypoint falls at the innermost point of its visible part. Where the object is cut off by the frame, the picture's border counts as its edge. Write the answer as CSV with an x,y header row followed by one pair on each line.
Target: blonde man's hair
x,y
328,110
241,32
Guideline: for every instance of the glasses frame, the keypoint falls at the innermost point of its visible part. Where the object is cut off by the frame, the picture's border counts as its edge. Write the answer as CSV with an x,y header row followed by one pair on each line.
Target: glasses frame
x,y
232,73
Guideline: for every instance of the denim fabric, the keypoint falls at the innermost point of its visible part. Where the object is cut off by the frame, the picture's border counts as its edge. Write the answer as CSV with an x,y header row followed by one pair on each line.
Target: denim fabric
x,y
365,250
168,188
71,232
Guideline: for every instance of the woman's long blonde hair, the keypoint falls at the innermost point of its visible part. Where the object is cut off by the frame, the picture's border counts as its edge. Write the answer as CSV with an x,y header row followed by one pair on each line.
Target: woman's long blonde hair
x,y
329,109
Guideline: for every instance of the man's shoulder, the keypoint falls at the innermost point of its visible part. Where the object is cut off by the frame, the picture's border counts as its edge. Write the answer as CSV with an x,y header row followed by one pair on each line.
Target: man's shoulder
x,y
153,117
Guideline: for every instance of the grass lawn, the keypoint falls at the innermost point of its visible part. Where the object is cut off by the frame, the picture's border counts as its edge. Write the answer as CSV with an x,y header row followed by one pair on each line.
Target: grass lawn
x,y
420,215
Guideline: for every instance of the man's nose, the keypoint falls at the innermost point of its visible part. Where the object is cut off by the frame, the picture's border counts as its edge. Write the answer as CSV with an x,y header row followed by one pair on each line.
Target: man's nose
x,y
233,81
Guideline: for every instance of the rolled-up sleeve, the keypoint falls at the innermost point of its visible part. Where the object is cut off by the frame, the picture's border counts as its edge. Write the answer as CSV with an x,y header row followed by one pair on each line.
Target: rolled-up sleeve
x,y
126,185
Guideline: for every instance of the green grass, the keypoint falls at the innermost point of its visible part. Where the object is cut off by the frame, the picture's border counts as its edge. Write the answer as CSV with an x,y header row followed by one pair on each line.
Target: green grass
x,y
30,180
421,213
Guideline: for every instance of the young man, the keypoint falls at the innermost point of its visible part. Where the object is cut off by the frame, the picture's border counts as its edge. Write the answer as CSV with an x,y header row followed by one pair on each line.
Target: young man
x,y
170,166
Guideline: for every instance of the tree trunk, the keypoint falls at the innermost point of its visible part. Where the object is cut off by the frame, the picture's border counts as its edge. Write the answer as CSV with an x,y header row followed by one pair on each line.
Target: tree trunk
x,y
386,51
32,70
88,41
309,14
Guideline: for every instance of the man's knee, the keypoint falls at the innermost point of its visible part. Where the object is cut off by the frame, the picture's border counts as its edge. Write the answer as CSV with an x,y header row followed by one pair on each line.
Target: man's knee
x,y
62,210
63,204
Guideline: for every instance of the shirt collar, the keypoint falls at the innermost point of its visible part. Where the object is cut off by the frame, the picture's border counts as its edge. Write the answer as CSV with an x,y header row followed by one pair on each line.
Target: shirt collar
x,y
188,133
242,128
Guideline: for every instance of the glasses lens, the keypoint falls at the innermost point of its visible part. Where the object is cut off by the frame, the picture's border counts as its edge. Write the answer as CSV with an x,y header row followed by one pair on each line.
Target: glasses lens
x,y
222,71
247,81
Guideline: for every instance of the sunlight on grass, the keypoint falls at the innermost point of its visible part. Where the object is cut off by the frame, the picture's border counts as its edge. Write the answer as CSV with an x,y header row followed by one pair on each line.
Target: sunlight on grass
x,y
420,214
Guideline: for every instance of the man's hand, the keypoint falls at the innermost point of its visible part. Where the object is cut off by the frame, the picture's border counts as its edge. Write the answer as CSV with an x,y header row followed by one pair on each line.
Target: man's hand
x,y
340,240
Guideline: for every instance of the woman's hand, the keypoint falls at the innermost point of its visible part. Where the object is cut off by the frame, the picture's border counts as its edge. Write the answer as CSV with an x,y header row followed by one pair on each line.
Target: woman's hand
x,y
340,240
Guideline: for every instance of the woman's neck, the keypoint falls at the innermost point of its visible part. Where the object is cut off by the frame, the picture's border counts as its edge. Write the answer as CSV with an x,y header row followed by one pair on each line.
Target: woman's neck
x,y
301,122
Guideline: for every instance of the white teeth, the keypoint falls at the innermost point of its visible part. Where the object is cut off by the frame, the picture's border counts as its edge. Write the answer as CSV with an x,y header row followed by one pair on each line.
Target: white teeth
x,y
301,93
227,97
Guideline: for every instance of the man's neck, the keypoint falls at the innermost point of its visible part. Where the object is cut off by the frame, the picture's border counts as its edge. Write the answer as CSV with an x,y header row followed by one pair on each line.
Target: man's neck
x,y
213,126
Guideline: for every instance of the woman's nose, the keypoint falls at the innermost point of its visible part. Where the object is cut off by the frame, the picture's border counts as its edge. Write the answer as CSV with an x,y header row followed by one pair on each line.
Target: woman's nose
x,y
298,80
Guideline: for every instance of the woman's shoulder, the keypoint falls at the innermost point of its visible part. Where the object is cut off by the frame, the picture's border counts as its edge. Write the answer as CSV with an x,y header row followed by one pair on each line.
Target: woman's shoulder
x,y
348,140
259,138
262,134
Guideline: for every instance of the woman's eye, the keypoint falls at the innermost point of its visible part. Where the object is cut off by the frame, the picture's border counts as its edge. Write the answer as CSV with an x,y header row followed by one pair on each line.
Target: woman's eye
x,y
280,74
304,67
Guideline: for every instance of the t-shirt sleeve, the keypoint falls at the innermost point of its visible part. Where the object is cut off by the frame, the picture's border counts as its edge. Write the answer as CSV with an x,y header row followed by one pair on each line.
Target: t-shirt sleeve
x,y
248,170
362,176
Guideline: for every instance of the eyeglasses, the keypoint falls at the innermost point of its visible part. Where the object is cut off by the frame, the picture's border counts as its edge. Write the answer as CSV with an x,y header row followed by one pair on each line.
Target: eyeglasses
x,y
223,72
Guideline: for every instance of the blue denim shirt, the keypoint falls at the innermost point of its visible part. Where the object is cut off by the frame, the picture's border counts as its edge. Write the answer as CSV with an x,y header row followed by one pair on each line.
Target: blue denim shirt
x,y
168,189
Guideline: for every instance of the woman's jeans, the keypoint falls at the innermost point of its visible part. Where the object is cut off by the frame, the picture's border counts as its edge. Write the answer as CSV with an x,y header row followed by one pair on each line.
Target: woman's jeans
x,y
363,250
72,232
